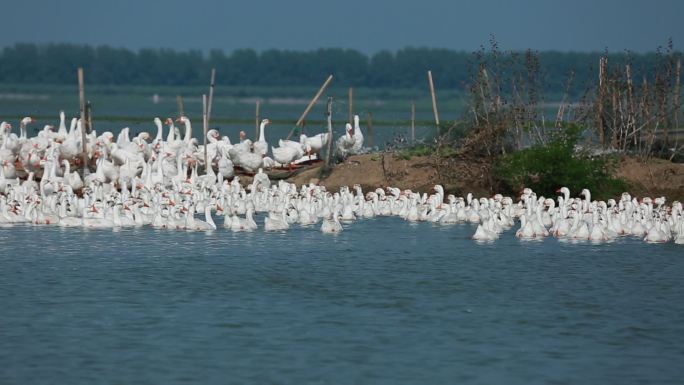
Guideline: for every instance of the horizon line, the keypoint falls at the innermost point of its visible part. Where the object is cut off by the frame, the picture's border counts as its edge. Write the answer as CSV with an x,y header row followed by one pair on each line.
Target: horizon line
x,y
660,48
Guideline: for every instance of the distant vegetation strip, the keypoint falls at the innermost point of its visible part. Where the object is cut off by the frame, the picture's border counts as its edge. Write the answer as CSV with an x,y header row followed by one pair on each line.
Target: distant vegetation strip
x,y
28,63
46,119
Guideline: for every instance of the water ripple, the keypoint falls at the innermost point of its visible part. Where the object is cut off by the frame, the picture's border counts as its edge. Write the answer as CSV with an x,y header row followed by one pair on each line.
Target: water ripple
x,y
383,302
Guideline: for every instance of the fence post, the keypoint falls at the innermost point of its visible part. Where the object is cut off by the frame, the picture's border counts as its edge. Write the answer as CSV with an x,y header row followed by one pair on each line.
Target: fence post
x,y
179,103
434,99
81,97
369,123
413,122
330,133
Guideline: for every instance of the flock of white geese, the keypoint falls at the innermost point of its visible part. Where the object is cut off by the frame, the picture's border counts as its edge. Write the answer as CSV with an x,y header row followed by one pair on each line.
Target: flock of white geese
x,y
155,182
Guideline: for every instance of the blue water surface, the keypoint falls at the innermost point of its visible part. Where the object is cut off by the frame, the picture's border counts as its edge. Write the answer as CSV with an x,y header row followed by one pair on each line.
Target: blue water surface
x,y
384,302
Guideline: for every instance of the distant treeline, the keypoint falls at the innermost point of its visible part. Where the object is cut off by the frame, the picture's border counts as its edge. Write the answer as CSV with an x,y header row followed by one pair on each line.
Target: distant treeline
x,y
57,63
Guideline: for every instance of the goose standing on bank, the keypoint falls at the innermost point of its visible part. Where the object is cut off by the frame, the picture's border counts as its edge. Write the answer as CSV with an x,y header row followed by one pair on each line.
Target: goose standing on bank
x,y
285,155
261,146
357,147
345,142
316,142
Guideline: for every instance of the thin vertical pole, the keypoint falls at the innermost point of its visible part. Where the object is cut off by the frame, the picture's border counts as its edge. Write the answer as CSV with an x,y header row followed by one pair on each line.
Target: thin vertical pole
x,y
351,104
205,123
603,62
256,119
413,122
434,98
81,97
89,117
211,94
329,116
179,103
369,123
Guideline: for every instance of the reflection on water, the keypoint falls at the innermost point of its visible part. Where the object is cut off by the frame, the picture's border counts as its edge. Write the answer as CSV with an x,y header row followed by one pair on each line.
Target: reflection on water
x,y
384,301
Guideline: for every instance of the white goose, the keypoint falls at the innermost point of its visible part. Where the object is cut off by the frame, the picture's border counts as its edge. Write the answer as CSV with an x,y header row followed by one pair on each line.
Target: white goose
x,y
316,142
273,223
332,225
207,224
357,147
244,224
345,142
261,146
485,231
73,179
287,154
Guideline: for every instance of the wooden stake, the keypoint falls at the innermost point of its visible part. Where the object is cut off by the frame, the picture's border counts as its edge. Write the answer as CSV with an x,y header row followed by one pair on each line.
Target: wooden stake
x,y
179,102
211,94
89,117
330,133
434,98
81,97
256,119
413,122
369,123
351,104
205,123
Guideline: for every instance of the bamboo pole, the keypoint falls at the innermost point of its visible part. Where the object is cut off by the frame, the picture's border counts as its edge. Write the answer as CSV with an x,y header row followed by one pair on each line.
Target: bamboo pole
x,y
205,124
434,98
311,104
413,122
211,94
351,104
81,97
330,133
369,123
313,101
179,103
256,119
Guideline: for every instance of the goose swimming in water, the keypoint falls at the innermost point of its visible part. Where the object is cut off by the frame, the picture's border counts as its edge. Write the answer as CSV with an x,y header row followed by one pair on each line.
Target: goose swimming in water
x,y
332,225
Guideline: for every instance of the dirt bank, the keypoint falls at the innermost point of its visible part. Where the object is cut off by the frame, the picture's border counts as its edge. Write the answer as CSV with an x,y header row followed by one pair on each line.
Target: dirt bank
x,y
419,173
653,178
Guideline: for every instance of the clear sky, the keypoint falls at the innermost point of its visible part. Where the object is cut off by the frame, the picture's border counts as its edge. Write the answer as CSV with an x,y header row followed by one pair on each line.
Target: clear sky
x,y
365,25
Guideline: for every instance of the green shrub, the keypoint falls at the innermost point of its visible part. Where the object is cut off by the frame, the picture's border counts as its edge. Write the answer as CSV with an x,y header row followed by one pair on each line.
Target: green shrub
x,y
546,168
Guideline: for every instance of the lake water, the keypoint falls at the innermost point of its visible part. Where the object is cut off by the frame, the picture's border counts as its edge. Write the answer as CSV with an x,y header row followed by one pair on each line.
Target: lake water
x,y
115,107
384,302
